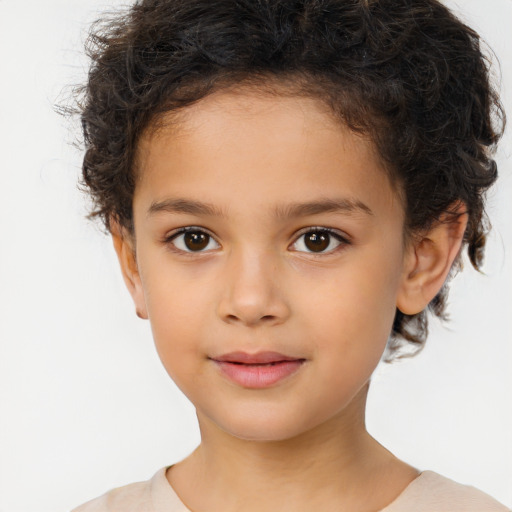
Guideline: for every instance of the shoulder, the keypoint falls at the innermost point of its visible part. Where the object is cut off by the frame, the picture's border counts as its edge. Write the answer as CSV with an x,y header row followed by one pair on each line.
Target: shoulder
x,y
431,492
129,498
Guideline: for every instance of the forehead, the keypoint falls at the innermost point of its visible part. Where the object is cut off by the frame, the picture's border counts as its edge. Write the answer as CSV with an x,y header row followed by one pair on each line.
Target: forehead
x,y
265,148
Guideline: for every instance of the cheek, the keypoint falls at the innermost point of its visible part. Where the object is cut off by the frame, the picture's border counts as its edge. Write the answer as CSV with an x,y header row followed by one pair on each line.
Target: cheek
x,y
178,312
352,333
352,312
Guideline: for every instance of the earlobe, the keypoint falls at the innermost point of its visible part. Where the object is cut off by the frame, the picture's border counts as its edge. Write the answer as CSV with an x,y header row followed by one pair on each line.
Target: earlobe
x,y
123,245
429,259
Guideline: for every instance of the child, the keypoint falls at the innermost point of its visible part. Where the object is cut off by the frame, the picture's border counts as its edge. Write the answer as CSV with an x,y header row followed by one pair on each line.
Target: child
x,y
288,186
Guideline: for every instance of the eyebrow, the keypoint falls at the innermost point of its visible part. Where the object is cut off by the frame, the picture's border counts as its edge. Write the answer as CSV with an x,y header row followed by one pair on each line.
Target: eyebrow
x,y
192,207
185,206
345,205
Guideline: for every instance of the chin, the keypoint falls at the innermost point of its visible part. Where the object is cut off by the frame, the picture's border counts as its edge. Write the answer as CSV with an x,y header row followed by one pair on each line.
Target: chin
x,y
265,427
264,433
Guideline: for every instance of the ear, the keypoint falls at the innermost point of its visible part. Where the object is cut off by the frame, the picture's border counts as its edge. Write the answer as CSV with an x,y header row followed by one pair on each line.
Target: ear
x,y
124,246
429,259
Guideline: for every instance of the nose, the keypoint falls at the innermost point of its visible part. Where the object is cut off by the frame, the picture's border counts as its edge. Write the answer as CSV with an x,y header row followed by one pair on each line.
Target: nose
x,y
251,291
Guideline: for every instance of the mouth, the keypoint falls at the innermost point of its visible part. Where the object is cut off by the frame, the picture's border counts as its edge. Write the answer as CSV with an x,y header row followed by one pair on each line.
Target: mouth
x,y
260,370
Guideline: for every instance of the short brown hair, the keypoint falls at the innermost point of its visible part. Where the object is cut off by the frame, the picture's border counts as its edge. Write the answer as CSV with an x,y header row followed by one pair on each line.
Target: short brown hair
x,y
407,73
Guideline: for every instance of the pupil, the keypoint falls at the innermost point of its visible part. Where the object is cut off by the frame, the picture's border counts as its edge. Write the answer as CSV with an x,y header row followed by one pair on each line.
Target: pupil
x,y
317,241
196,241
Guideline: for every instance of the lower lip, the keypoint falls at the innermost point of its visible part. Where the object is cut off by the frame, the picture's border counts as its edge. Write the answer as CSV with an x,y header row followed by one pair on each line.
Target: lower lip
x,y
258,376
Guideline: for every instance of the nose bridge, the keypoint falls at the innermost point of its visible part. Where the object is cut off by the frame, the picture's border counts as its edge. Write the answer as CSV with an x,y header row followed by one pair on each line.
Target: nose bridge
x,y
251,292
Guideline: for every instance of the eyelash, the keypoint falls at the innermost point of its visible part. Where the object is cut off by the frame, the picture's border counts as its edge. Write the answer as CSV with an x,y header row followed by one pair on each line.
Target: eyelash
x,y
343,240
189,229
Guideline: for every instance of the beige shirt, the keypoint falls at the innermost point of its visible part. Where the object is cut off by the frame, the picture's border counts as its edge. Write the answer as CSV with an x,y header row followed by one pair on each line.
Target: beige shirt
x,y
429,492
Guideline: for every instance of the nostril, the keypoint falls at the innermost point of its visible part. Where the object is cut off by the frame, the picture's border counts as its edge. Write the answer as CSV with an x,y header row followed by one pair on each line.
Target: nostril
x,y
248,320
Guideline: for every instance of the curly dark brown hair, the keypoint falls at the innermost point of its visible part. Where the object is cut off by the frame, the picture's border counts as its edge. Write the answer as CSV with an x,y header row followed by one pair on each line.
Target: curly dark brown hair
x,y
406,73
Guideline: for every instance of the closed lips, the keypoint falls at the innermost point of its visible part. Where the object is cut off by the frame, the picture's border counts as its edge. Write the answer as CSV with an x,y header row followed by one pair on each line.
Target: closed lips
x,y
261,370
260,358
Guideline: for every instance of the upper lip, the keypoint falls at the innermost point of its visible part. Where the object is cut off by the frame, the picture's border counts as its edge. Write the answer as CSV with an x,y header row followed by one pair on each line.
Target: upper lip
x,y
257,358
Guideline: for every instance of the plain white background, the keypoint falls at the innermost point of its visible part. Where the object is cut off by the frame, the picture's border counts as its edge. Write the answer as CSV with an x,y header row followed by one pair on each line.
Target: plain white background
x,y
84,402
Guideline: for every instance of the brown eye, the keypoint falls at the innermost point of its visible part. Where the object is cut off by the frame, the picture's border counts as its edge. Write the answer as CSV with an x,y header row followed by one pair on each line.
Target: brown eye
x,y
192,240
319,241
196,241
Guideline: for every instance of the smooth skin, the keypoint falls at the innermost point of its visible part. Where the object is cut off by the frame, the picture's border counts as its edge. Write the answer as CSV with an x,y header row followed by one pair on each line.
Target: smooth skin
x,y
257,282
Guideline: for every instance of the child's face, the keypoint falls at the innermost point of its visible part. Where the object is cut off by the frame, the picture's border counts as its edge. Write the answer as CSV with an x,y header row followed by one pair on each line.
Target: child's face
x,y
260,273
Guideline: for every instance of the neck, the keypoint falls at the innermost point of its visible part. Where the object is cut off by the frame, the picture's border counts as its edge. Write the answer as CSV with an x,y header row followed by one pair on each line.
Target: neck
x,y
331,463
